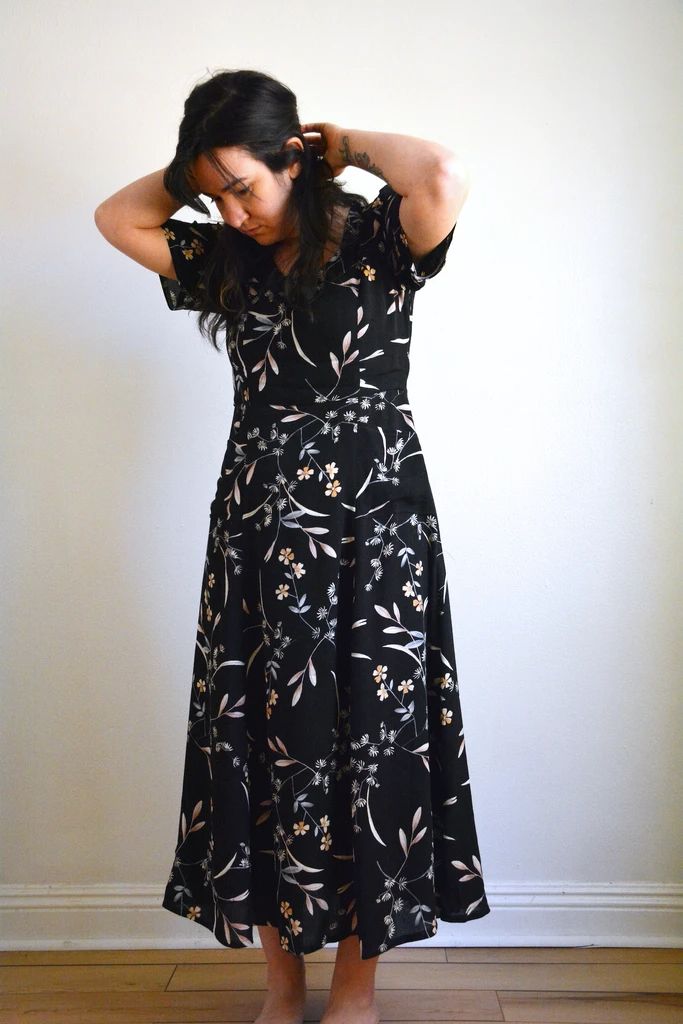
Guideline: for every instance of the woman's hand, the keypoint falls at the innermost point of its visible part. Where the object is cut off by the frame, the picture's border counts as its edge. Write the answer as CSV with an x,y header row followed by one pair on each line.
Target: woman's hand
x,y
326,140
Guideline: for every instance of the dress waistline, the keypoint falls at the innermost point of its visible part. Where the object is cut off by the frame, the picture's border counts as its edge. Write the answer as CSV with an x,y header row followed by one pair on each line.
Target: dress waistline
x,y
389,385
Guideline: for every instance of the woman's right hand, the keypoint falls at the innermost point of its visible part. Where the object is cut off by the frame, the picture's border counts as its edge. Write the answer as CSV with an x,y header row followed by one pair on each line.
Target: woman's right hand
x,y
327,142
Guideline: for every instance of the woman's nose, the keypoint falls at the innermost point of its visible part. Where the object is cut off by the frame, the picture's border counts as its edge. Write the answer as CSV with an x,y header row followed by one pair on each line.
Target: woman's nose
x,y
233,214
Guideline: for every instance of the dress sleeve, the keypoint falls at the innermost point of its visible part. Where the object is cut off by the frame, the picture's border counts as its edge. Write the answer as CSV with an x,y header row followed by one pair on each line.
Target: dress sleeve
x,y
190,245
394,244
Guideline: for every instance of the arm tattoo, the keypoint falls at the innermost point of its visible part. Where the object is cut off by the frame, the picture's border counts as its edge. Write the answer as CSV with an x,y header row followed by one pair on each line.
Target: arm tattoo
x,y
361,160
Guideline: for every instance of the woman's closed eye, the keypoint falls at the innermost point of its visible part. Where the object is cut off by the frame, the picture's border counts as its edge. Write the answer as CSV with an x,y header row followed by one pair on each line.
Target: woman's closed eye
x,y
240,192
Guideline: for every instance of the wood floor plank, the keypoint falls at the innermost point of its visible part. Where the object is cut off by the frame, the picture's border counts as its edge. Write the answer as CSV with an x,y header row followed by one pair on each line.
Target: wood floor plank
x,y
47,957
400,954
564,955
536,977
411,1007
197,1007
591,1008
98,978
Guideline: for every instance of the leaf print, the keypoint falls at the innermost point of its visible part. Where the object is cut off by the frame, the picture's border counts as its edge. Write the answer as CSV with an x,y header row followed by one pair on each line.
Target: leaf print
x,y
404,841
310,512
227,867
372,825
365,483
297,346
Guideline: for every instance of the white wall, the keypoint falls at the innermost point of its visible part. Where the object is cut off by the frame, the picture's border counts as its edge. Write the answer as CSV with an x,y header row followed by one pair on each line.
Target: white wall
x,y
546,369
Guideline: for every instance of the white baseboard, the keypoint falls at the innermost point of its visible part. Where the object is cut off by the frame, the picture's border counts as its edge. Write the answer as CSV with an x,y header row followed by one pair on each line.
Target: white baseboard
x,y
43,917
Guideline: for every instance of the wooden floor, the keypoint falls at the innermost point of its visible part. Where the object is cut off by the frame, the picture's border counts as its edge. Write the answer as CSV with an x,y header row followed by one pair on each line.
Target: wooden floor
x,y
578,985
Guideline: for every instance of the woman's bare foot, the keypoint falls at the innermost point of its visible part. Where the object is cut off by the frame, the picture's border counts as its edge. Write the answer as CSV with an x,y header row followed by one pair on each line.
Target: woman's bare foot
x,y
351,1012
283,1007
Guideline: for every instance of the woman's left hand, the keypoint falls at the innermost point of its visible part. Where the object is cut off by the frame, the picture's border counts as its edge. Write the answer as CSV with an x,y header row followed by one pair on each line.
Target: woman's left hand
x,y
326,141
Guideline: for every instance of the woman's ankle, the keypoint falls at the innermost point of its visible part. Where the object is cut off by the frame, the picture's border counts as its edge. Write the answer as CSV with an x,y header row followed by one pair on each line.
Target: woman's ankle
x,y
290,980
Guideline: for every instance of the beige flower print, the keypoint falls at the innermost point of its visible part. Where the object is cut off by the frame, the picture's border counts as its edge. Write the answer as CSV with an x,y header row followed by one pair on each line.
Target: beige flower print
x,y
304,472
270,703
333,487
196,248
282,591
380,673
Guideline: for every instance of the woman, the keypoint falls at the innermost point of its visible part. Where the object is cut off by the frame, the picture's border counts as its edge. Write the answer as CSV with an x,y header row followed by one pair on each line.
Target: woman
x,y
326,793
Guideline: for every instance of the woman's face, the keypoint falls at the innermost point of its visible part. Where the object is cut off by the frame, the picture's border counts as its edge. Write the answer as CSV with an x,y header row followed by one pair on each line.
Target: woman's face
x,y
248,195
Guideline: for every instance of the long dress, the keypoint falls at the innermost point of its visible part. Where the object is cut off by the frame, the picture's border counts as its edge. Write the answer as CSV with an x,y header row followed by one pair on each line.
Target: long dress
x,y
326,788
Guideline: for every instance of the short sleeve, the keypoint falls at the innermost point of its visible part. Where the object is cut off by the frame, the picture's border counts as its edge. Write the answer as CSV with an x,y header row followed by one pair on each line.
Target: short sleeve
x,y
394,244
190,244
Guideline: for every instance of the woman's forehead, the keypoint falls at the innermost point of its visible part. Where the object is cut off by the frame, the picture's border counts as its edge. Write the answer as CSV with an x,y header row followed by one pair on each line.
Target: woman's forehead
x,y
225,167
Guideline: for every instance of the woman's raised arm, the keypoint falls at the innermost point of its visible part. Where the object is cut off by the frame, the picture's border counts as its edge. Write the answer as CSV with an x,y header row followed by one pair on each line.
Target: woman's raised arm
x,y
131,221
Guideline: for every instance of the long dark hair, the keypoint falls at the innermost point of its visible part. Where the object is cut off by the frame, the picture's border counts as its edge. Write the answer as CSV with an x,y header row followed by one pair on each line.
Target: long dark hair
x,y
248,108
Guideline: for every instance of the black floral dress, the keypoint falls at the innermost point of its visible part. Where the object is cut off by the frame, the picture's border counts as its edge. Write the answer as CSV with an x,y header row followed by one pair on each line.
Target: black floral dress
x,y
326,788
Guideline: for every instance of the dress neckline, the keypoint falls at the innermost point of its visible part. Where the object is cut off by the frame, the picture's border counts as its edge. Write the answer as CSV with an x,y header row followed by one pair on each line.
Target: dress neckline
x,y
333,258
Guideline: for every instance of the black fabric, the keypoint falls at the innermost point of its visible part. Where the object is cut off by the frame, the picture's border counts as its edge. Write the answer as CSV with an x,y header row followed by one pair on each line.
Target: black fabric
x,y
326,789
190,245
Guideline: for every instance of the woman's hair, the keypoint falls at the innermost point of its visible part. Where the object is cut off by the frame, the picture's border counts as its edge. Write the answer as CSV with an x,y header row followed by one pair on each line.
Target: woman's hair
x,y
249,109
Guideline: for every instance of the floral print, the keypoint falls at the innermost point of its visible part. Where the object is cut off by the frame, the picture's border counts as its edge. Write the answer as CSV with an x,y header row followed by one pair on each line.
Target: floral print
x,y
326,788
